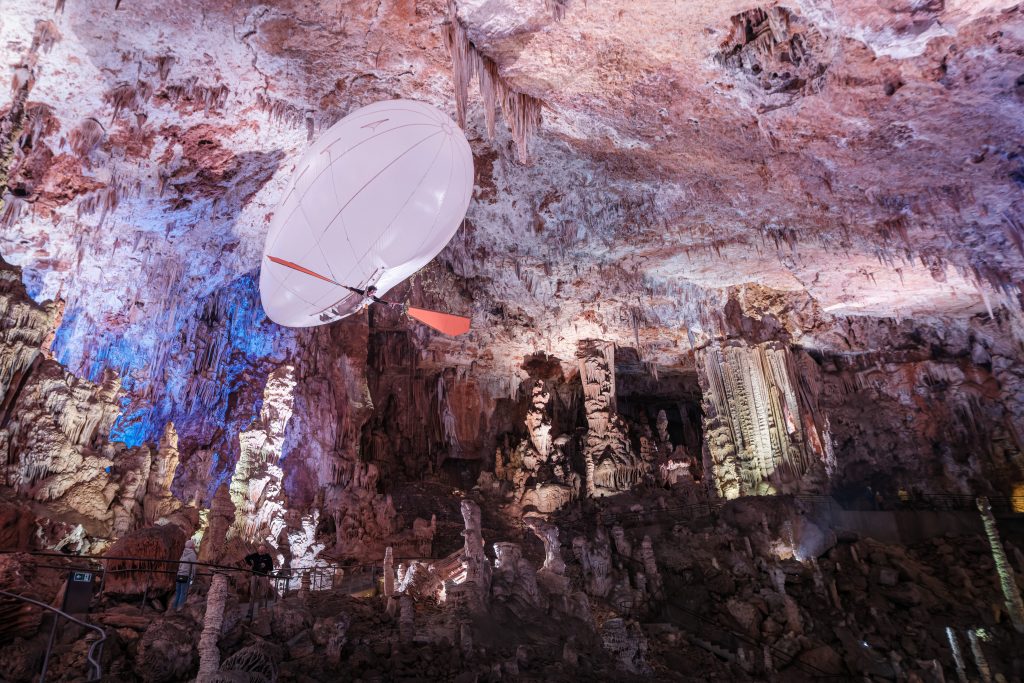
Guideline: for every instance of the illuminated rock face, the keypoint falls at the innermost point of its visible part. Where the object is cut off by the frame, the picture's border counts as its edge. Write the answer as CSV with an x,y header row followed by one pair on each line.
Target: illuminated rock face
x,y
612,466
761,419
538,468
758,209
701,171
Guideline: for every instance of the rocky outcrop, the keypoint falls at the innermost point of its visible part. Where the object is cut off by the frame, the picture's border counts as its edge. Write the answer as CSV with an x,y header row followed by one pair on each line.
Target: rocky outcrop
x,y
761,419
150,560
54,426
611,463
538,468
167,650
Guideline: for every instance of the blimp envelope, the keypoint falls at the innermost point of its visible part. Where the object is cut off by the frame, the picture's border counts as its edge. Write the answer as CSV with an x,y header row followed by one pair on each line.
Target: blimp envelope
x,y
370,203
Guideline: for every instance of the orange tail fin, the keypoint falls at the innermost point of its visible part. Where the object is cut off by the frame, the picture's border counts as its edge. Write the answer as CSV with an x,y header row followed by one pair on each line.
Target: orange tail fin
x,y
307,271
452,325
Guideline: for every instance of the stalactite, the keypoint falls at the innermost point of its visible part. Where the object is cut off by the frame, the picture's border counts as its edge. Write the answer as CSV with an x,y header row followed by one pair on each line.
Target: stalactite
x,y
1011,593
557,8
522,112
45,36
212,97
86,137
163,66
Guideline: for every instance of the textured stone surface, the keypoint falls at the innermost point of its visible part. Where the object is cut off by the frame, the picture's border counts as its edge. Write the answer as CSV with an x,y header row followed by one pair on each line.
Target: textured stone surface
x,y
715,249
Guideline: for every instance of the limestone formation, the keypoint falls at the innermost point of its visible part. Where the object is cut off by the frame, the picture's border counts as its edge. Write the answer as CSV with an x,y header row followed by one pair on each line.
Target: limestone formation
x,y
167,651
595,561
406,618
389,580
1007,578
626,644
758,410
540,459
209,654
514,578
475,563
257,488
611,464
220,517
746,323
160,502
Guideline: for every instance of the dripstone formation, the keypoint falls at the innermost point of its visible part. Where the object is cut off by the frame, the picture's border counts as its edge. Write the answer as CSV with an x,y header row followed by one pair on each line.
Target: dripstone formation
x,y
742,398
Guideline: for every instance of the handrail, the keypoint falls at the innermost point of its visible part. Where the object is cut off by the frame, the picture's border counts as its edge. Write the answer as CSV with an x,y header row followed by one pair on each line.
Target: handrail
x,y
219,567
348,569
355,578
95,669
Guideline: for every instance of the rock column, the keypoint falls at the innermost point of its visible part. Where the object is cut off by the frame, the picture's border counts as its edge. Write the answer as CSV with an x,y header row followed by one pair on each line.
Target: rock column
x,y
1011,593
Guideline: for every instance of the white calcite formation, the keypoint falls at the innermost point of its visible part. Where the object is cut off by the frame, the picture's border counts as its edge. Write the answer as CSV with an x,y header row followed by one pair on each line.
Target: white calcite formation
x,y
256,487
611,463
761,419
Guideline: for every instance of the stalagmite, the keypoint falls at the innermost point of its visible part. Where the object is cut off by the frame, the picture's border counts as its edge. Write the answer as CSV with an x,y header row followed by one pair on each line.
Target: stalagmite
x,y
406,618
651,568
159,502
612,465
979,656
474,561
389,581
548,534
213,543
257,489
219,519
209,654
958,657
1011,593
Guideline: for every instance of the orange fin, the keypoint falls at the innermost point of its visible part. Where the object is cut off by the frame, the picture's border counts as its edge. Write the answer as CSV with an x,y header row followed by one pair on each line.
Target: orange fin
x,y
452,325
307,271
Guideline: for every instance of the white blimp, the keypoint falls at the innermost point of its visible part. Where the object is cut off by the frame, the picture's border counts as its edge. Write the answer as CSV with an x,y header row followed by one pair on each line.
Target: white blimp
x,y
370,203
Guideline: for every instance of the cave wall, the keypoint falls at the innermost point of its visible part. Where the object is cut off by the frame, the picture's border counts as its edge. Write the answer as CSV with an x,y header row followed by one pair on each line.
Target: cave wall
x,y
932,408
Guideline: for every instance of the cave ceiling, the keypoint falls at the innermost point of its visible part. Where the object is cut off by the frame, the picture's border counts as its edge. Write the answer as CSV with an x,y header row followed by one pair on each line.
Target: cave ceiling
x,y
812,161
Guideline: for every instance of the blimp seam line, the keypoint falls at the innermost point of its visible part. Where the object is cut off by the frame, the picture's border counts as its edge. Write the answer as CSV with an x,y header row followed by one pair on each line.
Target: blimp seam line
x,y
309,227
451,170
408,199
361,114
429,233
284,285
377,135
377,242
319,246
375,176
286,221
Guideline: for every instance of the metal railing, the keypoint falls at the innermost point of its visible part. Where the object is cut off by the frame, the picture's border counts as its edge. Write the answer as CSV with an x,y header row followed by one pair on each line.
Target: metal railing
x,y
356,578
95,649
